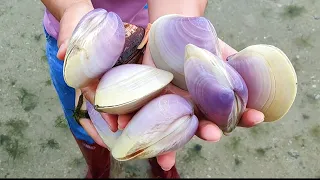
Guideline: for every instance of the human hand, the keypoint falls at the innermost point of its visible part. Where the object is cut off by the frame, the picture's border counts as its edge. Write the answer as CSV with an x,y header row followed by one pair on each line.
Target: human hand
x,y
69,20
207,130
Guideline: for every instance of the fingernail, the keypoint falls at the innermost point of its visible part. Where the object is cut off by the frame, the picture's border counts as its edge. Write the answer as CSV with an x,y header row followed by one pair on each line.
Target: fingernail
x,y
212,134
62,46
259,119
58,53
119,124
119,127
165,169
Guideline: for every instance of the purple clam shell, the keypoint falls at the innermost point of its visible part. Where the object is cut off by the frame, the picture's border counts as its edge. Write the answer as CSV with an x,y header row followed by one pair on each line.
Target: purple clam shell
x,y
169,36
108,42
103,129
164,124
95,46
221,98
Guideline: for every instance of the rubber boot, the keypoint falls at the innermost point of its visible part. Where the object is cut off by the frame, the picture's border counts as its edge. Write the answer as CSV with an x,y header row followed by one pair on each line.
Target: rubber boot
x,y
97,158
158,172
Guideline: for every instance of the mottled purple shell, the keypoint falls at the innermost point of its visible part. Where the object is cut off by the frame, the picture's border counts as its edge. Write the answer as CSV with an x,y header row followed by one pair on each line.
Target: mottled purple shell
x,y
95,46
217,90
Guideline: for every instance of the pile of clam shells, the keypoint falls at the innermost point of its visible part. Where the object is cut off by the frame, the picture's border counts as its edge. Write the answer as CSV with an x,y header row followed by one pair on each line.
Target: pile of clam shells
x,y
186,53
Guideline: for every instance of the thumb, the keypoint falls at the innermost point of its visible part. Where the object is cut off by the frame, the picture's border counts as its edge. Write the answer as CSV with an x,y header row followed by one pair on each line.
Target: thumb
x,y
226,50
62,50
89,93
70,19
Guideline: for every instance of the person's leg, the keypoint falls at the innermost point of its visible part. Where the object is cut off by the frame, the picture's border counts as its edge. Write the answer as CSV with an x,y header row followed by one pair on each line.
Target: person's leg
x,y
97,157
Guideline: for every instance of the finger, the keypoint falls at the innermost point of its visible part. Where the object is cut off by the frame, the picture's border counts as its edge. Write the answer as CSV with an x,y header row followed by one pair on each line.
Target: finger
x,y
70,19
167,160
111,120
62,50
86,123
123,120
208,131
226,49
147,58
90,91
67,25
92,132
250,118
89,94
172,89
146,36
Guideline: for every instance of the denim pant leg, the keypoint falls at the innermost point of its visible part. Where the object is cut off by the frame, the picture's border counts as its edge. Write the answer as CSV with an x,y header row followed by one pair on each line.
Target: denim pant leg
x,y
65,93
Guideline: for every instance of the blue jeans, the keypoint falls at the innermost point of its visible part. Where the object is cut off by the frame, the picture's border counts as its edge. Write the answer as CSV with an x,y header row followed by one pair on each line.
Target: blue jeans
x,y
65,93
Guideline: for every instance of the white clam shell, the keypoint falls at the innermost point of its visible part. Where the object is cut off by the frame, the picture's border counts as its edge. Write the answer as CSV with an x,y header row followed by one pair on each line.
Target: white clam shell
x,y
128,87
270,78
